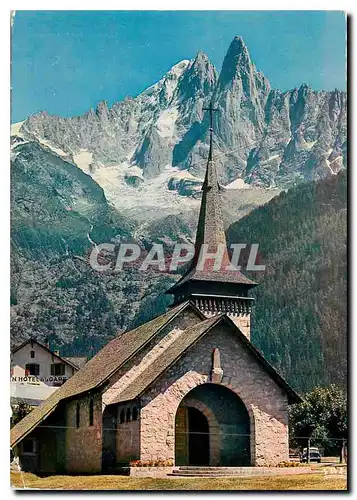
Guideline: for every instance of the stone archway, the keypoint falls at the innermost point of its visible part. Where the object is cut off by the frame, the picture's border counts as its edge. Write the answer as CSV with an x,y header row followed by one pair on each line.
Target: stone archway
x,y
182,432
228,427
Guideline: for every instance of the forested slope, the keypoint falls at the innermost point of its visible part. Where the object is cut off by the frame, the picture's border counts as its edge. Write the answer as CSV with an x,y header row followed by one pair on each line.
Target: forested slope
x,y
300,316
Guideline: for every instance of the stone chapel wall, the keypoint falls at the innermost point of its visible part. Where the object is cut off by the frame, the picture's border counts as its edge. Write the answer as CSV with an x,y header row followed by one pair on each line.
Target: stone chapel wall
x,y
84,443
50,451
128,434
265,401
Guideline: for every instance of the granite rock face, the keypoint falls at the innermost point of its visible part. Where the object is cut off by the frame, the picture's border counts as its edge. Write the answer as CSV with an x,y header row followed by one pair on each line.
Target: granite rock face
x,y
263,136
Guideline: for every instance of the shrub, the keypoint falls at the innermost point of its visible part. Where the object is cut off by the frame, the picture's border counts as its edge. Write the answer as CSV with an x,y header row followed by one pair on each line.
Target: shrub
x,y
151,463
287,463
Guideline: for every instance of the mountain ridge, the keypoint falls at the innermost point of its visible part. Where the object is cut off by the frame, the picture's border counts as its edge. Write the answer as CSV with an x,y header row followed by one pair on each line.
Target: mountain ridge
x,y
263,137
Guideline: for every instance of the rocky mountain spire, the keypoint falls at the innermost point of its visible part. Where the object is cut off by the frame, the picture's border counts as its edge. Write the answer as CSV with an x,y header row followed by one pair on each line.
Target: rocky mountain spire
x,y
237,60
200,78
240,96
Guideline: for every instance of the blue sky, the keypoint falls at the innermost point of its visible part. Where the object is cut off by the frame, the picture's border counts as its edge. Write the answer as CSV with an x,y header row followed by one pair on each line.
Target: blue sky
x,y
64,62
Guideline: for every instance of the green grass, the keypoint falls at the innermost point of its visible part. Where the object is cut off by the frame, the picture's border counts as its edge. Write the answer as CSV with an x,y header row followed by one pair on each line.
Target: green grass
x,y
299,482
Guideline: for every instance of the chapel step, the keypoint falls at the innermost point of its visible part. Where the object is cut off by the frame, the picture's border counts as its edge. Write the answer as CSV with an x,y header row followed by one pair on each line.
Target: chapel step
x,y
213,471
192,471
204,467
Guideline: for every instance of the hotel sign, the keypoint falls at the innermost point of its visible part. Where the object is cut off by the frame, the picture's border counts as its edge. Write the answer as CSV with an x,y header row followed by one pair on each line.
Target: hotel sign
x,y
36,380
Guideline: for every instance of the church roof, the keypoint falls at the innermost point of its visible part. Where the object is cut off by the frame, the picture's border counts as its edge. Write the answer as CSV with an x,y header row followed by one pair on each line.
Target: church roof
x,y
165,360
79,361
210,232
217,276
99,369
178,348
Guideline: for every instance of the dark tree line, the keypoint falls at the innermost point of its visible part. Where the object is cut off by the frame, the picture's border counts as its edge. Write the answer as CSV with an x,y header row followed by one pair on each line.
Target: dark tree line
x,y
300,317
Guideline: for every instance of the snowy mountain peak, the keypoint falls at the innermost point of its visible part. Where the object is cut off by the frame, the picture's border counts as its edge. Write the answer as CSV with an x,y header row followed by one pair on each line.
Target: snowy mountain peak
x,y
178,68
263,137
164,89
197,82
202,65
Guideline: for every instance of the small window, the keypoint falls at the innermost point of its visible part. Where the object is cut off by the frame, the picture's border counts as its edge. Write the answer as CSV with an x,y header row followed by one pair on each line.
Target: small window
x,y
32,369
135,413
32,354
122,417
128,415
29,446
91,412
78,415
57,369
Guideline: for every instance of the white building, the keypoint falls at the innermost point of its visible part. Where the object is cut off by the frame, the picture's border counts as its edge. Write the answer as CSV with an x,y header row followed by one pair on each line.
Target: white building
x,y
36,372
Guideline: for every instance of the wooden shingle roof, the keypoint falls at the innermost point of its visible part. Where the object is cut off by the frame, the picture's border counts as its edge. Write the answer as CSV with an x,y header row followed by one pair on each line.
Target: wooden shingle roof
x,y
79,361
98,370
211,235
220,276
178,348
165,360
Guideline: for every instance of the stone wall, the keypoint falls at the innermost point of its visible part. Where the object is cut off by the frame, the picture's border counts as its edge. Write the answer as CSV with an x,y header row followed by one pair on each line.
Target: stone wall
x,y
128,435
52,452
264,400
84,443
242,320
243,323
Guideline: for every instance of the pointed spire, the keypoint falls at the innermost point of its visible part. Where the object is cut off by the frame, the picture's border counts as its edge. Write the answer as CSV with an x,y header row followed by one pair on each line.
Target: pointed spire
x,y
236,62
210,232
210,229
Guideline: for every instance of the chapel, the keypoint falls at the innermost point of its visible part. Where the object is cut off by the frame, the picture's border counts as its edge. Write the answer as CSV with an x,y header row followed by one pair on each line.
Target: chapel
x,y
187,388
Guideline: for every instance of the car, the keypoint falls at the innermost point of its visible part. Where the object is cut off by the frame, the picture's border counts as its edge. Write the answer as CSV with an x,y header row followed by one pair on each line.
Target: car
x,y
314,455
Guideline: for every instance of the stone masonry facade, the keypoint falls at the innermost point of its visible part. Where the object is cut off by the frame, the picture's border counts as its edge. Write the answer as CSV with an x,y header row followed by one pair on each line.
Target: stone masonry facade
x,y
84,443
151,434
264,400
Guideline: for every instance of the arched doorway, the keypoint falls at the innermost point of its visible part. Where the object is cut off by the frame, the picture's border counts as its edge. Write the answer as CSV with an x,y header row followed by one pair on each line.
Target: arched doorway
x,y
212,427
192,436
